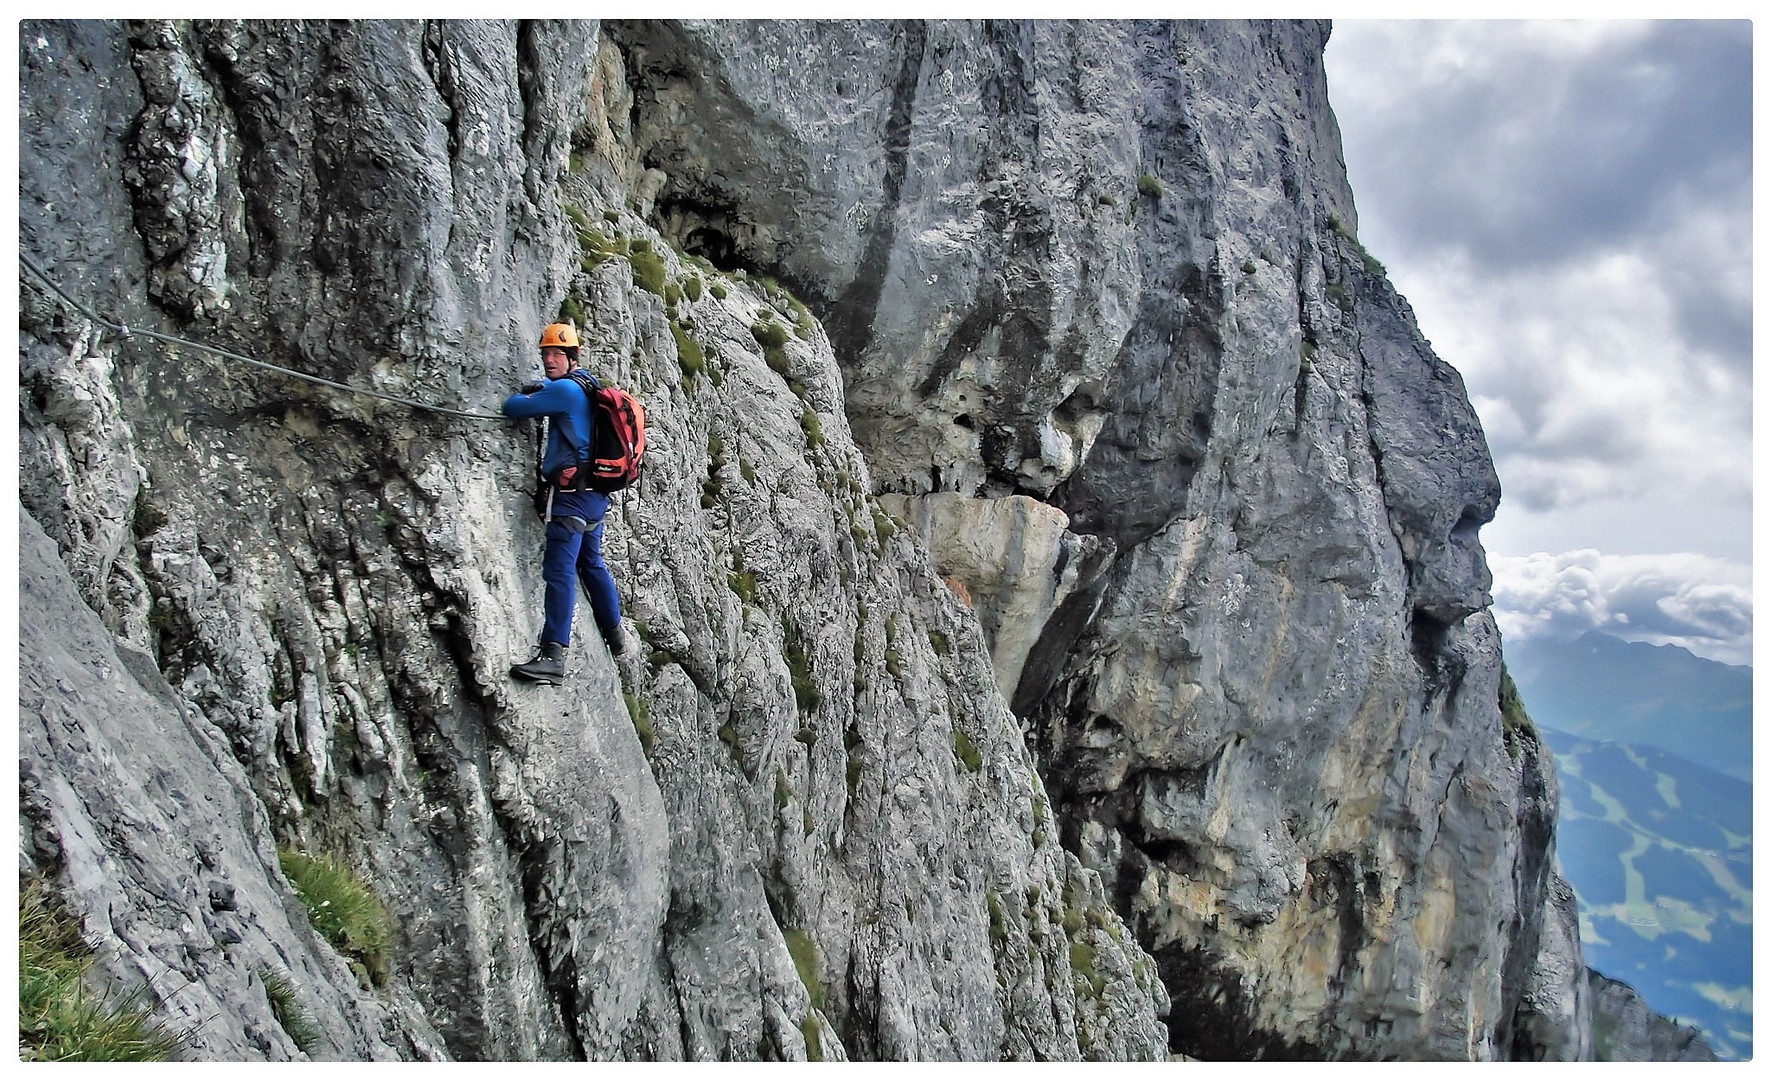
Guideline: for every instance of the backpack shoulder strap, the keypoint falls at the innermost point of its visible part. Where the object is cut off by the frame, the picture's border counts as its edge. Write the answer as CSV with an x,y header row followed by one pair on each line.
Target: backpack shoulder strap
x,y
587,383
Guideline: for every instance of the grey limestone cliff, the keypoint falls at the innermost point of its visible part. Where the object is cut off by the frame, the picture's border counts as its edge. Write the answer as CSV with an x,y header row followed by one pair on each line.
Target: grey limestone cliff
x,y
1058,624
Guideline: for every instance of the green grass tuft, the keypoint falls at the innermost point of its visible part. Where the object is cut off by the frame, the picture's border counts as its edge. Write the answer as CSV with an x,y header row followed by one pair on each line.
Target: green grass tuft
x,y
998,924
805,688
805,961
343,908
648,267
1345,231
773,338
883,525
1149,187
743,586
1072,920
967,751
642,721
58,1018
1082,962
688,352
812,1030
288,1012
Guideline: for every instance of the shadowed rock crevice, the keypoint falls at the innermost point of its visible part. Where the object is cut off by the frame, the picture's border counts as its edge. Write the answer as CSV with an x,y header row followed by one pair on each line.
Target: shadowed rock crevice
x,y
1208,1014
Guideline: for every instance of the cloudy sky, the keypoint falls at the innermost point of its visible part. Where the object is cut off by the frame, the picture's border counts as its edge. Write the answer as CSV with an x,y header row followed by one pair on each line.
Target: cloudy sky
x,y
1568,208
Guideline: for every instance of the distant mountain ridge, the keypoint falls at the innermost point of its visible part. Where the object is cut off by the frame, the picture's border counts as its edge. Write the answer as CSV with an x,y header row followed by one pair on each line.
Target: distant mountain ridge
x,y
1602,687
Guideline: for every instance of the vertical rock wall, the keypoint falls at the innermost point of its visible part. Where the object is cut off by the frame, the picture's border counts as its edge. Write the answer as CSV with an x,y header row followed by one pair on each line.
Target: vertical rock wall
x,y
986,364
1111,267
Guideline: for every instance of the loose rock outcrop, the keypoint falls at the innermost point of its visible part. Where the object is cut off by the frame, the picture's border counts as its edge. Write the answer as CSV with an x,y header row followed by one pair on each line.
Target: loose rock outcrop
x,y
1058,621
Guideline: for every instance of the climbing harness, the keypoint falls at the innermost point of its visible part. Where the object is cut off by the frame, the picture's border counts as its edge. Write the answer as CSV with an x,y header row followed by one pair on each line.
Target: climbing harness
x,y
128,331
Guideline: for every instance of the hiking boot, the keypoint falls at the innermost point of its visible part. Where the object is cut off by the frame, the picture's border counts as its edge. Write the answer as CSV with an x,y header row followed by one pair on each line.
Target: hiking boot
x,y
549,665
614,639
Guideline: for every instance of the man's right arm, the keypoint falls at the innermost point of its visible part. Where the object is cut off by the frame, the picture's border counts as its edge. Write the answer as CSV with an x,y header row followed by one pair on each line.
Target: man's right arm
x,y
552,398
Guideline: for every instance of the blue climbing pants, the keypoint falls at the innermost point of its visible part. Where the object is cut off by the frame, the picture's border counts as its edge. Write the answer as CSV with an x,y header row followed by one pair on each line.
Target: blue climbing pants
x,y
574,556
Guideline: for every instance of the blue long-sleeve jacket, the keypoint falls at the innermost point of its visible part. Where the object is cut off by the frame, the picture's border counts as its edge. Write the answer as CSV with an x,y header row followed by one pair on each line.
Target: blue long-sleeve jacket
x,y
568,442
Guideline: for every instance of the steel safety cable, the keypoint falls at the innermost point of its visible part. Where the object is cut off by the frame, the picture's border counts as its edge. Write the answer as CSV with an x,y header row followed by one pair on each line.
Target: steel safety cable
x,y
129,331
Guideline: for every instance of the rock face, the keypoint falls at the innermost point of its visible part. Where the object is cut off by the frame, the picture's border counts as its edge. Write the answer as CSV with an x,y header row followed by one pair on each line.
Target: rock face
x,y
164,844
1055,591
1626,1029
1108,266
801,823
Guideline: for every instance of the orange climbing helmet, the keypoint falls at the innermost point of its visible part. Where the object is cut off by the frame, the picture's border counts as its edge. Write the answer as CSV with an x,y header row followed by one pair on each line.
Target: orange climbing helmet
x,y
560,336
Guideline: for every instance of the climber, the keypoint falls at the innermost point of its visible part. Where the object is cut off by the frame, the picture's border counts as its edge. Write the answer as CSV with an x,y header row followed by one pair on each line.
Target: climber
x,y
574,517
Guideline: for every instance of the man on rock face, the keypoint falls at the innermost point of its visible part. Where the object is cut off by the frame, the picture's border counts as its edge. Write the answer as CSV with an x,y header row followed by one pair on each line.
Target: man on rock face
x,y
574,517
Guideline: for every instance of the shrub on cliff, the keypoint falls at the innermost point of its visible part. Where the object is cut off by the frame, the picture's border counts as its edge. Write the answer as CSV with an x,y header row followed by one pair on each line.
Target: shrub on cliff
x,y
1516,725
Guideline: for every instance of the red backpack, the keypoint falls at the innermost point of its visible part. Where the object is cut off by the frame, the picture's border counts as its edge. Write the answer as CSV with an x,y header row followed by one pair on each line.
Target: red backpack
x,y
618,440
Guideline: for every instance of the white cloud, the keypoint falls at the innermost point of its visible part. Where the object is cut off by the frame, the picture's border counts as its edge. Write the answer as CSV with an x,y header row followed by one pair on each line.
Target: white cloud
x,y
1568,208
1585,381
1697,602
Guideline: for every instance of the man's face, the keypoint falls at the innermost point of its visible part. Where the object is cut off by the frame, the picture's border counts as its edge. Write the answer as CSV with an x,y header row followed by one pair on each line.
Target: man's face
x,y
555,362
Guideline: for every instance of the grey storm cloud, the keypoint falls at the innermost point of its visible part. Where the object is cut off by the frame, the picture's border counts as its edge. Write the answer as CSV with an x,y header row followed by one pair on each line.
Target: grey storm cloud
x,y
1536,160
1569,207
1715,313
